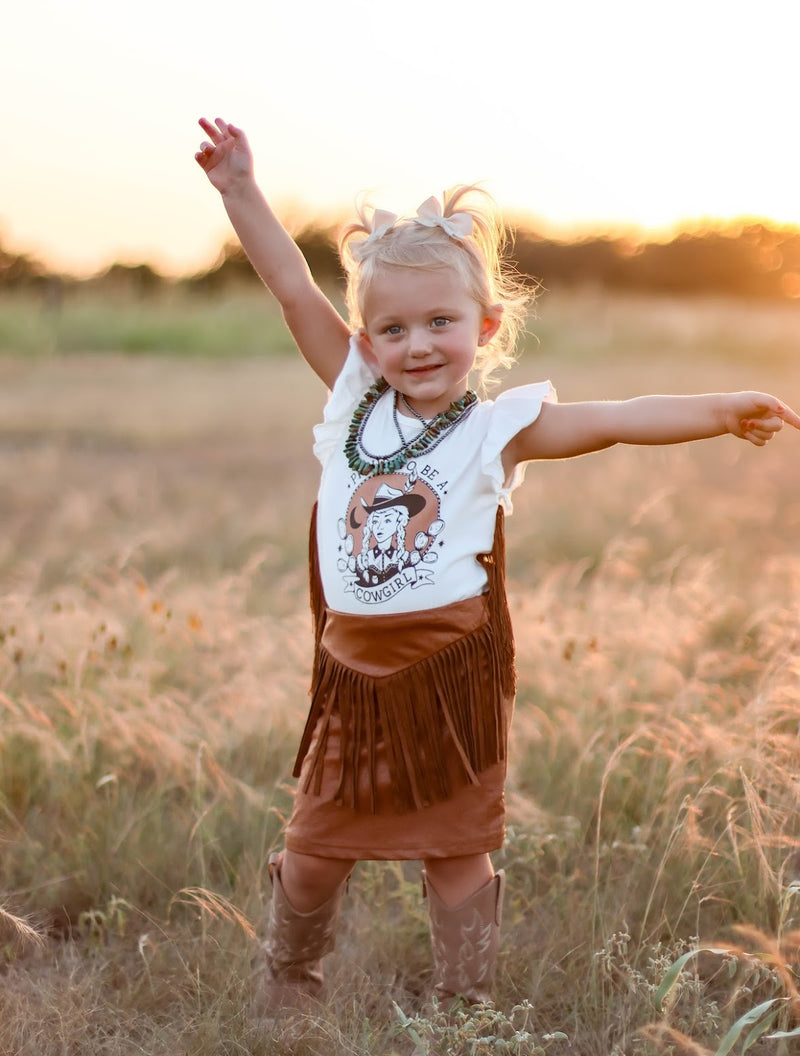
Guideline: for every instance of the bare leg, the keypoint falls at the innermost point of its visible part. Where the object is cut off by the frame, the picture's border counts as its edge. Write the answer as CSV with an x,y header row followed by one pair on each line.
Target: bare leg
x,y
455,879
308,881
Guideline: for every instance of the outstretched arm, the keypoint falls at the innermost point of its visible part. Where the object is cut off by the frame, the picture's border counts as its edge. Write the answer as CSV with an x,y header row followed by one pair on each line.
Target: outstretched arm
x,y
321,334
568,429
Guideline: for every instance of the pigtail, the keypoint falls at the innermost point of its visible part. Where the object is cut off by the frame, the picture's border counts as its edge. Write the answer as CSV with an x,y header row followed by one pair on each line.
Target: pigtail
x,y
356,237
491,241
358,229
355,243
488,234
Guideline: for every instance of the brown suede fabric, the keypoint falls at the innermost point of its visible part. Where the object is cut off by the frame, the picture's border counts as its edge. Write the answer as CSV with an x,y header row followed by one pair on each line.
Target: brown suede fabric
x,y
404,751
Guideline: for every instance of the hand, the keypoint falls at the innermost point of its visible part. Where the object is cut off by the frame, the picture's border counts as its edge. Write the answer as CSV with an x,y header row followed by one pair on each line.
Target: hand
x,y
227,158
757,417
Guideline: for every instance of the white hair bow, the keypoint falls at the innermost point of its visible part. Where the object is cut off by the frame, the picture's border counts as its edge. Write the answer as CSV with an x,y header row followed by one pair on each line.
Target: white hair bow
x,y
382,221
429,214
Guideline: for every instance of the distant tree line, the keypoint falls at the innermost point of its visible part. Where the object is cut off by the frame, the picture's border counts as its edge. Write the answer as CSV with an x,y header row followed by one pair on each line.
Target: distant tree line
x,y
743,260
746,259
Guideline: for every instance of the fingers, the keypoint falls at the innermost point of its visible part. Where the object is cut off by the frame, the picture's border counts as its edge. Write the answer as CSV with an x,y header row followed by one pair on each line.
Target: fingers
x,y
757,433
759,430
765,417
218,129
204,154
768,425
769,407
788,415
214,130
220,135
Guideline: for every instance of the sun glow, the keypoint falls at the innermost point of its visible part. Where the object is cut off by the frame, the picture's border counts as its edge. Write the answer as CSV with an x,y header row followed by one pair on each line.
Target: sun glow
x,y
576,116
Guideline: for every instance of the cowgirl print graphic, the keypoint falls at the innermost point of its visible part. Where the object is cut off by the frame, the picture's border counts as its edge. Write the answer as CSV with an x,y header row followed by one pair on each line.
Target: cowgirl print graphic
x,y
388,535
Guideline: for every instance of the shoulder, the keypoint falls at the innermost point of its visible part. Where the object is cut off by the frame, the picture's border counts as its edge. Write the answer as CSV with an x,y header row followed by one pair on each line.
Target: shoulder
x,y
503,419
517,408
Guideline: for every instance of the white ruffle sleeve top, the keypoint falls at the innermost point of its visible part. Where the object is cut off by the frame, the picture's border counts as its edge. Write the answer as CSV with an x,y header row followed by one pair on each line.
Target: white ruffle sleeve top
x,y
407,540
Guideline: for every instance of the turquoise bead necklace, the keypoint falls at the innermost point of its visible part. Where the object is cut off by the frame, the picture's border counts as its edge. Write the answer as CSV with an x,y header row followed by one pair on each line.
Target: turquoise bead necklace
x,y
434,431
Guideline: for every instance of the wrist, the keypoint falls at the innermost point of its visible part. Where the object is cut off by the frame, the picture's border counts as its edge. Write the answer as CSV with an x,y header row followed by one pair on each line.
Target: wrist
x,y
241,188
725,415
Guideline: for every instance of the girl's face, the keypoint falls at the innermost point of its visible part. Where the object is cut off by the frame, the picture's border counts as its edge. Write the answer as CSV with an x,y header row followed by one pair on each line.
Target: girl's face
x,y
384,523
423,329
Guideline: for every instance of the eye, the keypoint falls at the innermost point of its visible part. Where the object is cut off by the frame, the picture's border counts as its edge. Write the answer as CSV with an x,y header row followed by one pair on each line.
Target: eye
x,y
393,330
439,321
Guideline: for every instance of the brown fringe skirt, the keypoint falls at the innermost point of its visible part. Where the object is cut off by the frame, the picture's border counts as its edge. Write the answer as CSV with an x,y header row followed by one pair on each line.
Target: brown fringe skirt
x,y
404,751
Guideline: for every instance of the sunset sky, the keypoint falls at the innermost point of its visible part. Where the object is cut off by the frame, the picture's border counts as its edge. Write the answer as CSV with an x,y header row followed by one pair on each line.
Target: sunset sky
x,y
575,114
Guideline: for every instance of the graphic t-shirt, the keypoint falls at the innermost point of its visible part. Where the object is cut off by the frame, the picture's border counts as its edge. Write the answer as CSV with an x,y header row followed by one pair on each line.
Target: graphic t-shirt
x,y
407,540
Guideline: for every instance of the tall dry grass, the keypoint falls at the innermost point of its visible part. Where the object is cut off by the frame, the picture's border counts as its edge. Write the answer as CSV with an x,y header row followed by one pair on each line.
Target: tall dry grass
x,y
154,657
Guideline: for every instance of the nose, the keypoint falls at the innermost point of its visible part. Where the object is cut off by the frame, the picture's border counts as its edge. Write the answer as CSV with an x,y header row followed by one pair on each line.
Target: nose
x,y
420,341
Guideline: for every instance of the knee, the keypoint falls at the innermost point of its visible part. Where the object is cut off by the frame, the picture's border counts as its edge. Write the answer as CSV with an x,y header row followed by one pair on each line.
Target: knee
x,y
308,880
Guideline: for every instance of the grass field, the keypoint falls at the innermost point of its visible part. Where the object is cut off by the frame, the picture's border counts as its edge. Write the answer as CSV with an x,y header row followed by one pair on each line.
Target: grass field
x,y
154,657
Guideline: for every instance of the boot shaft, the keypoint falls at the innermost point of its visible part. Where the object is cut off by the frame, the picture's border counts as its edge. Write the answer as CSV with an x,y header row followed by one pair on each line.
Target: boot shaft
x,y
288,966
465,940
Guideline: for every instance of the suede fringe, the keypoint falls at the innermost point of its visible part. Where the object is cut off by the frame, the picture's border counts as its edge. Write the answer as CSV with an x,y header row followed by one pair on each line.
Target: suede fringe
x,y
454,697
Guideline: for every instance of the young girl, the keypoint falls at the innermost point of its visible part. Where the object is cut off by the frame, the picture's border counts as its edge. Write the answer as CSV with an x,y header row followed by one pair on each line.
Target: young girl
x,y
404,752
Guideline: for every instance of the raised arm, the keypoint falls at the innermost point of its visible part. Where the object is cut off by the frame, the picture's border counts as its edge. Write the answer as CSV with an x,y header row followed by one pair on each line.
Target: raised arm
x,y
320,332
563,430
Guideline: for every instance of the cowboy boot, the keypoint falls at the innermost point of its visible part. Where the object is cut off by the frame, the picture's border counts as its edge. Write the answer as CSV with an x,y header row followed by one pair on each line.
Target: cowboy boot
x,y
288,966
465,940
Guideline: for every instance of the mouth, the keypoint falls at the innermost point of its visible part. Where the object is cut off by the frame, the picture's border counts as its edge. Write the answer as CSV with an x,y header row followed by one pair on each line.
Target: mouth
x,y
421,371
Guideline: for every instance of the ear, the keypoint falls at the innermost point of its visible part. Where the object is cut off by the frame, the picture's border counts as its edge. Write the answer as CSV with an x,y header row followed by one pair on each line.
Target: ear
x,y
366,349
490,323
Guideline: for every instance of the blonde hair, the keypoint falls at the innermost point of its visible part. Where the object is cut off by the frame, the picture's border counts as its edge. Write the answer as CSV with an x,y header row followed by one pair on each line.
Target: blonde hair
x,y
478,257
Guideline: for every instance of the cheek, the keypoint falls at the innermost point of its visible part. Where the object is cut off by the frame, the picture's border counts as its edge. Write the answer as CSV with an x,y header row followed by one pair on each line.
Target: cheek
x,y
388,355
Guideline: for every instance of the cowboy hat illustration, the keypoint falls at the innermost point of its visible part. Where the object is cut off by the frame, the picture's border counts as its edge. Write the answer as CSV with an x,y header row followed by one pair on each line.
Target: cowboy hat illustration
x,y
385,498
